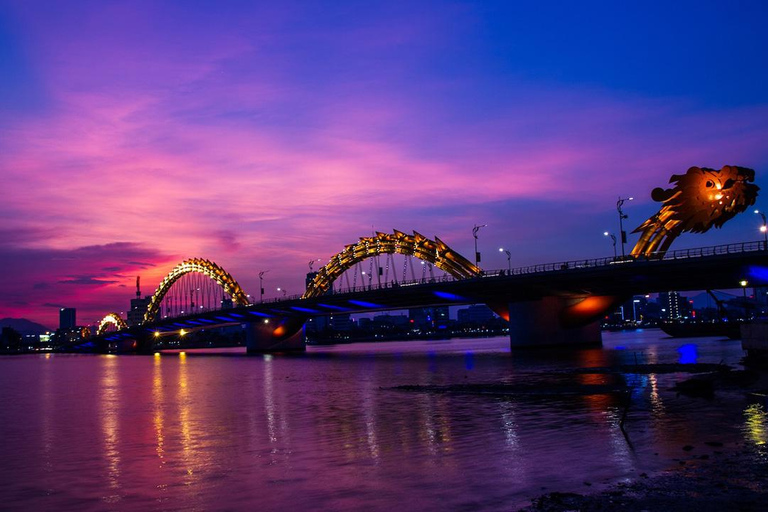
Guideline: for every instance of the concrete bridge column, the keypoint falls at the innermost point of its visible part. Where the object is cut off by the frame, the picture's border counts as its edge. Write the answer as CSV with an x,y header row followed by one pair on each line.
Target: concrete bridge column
x,y
275,335
544,322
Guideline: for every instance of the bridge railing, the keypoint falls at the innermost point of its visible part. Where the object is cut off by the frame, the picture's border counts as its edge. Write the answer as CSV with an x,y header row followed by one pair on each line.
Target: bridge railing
x,y
565,266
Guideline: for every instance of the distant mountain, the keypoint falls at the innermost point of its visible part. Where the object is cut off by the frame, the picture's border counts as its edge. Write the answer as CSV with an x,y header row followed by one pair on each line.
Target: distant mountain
x,y
24,326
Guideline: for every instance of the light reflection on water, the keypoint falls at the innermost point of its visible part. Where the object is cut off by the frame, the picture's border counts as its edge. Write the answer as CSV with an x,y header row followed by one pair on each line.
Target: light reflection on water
x,y
327,431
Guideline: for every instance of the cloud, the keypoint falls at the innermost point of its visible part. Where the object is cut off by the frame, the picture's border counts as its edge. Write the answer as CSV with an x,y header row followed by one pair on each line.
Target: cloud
x,y
87,281
261,143
68,275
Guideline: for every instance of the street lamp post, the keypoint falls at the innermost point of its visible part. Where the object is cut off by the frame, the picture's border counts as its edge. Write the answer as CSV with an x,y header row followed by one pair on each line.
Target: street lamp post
x,y
622,216
261,285
613,238
763,230
744,284
509,259
285,292
474,234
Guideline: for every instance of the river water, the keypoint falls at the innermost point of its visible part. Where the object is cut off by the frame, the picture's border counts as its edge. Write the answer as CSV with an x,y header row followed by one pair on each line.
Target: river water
x,y
327,431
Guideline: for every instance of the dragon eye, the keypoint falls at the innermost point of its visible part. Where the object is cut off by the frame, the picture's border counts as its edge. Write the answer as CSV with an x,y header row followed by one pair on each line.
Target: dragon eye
x,y
710,183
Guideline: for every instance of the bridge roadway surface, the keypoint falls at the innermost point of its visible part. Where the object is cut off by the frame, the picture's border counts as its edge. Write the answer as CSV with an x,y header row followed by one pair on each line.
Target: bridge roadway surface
x,y
718,267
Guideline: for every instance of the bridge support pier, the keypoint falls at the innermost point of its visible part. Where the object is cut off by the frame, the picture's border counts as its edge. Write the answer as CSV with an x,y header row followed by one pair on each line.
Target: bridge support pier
x,y
540,323
275,335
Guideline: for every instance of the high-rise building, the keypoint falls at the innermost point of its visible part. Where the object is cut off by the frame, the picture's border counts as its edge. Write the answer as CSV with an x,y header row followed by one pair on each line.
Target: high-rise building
x,y
138,309
67,318
673,306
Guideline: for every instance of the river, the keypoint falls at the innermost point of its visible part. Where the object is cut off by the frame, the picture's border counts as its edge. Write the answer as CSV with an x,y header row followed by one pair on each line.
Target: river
x,y
328,430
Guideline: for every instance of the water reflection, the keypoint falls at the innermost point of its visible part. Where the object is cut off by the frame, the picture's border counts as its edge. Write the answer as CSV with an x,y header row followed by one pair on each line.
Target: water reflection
x,y
657,404
110,422
47,411
159,416
688,353
369,412
331,431
434,427
756,424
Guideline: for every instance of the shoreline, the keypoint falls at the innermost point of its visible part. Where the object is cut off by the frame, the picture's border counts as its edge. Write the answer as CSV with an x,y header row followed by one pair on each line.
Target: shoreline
x,y
729,478
710,475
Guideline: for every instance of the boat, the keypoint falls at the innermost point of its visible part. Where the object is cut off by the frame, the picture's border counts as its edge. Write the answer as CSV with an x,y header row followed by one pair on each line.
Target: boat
x,y
695,329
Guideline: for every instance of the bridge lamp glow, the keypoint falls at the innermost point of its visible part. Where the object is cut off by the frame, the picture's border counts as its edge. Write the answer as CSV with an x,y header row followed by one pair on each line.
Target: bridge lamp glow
x,y
157,334
743,283
182,332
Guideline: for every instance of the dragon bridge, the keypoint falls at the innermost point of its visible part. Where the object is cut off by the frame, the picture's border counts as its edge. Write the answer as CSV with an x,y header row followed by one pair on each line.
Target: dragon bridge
x,y
111,319
417,245
200,266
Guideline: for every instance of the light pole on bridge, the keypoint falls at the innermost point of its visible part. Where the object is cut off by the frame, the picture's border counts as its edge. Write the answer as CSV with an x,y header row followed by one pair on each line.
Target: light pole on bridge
x,y
763,229
474,234
261,285
613,238
622,216
509,258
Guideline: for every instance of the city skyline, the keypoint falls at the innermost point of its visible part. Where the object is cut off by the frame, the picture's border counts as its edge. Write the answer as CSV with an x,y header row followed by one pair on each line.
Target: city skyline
x,y
134,135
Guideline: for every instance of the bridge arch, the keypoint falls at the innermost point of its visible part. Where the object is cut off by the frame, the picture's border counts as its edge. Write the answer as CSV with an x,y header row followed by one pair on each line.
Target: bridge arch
x,y
417,245
111,319
201,266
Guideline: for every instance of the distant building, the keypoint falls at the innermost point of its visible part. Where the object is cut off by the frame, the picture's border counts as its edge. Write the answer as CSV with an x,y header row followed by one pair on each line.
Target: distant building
x,y
673,305
429,318
477,315
67,318
333,322
138,309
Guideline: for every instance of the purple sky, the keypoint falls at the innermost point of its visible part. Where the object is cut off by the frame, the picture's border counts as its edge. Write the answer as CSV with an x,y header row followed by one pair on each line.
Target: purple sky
x,y
136,134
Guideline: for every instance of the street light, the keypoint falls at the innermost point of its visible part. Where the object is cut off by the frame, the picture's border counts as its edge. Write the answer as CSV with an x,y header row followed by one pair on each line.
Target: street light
x,y
474,234
509,259
285,292
622,216
261,285
763,229
613,238
744,284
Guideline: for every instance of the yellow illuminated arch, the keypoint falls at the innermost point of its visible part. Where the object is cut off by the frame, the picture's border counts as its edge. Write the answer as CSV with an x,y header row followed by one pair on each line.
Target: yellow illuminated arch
x,y
416,245
201,266
111,319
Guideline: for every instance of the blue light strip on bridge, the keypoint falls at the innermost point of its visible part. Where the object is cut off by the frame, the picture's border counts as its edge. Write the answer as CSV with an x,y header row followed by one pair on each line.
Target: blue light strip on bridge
x,y
450,296
365,304
259,313
329,306
306,310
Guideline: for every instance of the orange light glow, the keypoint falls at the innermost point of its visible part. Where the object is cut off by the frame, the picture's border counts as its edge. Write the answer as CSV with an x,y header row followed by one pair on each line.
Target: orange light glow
x,y
588,310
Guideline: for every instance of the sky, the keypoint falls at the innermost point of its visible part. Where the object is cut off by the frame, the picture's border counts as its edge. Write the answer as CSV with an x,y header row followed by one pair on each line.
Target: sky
x,y
261,135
